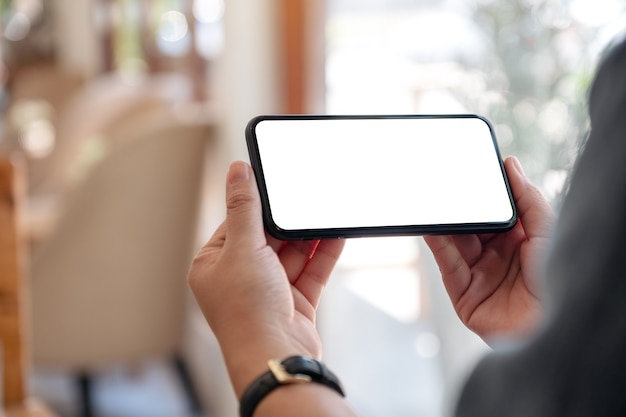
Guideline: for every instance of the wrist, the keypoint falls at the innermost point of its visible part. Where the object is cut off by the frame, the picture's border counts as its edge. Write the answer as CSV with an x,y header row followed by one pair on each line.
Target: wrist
x,y
246,367
247,357
293,370
304,400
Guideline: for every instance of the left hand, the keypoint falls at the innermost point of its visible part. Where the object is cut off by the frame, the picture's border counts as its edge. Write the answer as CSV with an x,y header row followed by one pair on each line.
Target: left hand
x,y
492,279
259,295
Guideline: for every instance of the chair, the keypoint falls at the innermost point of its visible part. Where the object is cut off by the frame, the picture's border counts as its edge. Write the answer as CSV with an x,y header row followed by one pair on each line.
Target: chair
x,y
12,285
15,400
108,284
102,107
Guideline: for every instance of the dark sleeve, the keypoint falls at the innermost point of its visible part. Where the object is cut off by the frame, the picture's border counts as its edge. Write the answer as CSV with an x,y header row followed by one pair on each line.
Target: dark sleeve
x,y
576,364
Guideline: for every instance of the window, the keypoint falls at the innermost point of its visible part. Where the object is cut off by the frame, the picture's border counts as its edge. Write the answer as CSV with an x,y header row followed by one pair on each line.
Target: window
x,y
524,64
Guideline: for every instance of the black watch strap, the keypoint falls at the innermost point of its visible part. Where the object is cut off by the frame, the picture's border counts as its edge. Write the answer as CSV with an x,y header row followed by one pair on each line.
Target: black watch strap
x,y
293,370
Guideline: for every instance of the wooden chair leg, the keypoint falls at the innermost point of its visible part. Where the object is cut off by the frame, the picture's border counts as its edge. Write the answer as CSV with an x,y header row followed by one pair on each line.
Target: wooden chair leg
x,y
195,407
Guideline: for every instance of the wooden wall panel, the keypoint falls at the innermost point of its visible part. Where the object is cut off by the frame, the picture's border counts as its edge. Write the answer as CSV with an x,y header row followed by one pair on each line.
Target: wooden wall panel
x,y
292,45
301,42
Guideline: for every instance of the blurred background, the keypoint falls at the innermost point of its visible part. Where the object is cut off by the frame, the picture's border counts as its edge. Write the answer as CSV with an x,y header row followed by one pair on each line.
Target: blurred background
x,y
127,113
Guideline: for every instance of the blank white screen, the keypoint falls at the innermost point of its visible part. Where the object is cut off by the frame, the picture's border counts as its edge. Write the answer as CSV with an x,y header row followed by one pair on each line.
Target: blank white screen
x,y
346,173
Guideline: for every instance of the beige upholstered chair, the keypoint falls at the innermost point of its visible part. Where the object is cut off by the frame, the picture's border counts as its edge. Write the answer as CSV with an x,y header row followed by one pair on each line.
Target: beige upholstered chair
x,y
108,285
101,108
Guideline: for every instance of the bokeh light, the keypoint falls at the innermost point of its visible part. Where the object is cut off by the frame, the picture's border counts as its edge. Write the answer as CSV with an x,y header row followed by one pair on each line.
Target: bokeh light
x,y
208,11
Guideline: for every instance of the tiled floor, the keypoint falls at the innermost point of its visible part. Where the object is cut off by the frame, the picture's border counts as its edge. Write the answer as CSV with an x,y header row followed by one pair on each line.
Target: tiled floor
x,y
377,334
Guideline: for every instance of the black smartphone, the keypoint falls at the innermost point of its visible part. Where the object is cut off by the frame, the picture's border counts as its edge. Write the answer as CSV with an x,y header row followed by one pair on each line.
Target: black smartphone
x,y
331,176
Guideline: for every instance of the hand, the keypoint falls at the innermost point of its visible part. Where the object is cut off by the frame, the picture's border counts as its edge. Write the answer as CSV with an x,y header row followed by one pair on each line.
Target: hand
x,y
492,278
259,295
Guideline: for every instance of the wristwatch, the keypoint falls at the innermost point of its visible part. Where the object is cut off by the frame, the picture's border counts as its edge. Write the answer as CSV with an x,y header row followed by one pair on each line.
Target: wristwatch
x,y
292,370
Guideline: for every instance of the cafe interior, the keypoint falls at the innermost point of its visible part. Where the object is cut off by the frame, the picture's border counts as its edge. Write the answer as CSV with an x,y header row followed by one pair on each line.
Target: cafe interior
x,y
118,119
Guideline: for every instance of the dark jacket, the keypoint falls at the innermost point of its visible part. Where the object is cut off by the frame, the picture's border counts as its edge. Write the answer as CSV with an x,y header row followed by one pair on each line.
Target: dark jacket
x,y
576,364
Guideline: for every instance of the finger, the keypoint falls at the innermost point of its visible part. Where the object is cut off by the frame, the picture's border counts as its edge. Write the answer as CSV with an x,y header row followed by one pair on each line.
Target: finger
x,y
274,243
318,269
218,236
295,255
455,271
208,252
206,256
243,207
470,247
534,211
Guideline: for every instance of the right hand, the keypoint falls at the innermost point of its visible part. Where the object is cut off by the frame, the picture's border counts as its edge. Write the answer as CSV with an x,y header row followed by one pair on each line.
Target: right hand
x,y
259,295
492,278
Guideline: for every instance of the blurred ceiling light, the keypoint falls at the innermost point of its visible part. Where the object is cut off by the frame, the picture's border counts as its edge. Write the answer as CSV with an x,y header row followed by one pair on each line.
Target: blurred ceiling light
x,y
18,27
38,138
173,26
32,119
208,11
173,37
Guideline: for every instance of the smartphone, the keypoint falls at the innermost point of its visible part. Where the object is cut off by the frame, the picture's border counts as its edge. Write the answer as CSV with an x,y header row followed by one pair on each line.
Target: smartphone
x,y
332,176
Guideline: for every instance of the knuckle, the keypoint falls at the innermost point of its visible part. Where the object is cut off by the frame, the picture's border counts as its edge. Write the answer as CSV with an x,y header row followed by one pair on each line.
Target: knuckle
x,y
238,200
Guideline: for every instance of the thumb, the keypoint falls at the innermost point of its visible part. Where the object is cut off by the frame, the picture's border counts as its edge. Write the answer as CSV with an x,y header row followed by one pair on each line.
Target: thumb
x,y
243,205
534,211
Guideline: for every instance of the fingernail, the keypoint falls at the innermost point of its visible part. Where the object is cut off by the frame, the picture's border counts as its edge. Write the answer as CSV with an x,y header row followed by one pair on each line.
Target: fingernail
x,y
518,166
239,172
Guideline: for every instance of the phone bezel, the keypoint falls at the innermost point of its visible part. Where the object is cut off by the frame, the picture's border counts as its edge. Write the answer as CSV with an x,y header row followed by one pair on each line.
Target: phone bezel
x,y
352,232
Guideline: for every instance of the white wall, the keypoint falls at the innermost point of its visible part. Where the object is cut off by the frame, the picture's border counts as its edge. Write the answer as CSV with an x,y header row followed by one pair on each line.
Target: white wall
x,y
247,77
245,80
